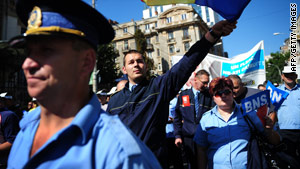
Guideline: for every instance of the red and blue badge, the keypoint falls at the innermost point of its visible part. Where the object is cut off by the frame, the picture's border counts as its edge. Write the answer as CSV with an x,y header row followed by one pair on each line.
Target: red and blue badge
x,y
186,101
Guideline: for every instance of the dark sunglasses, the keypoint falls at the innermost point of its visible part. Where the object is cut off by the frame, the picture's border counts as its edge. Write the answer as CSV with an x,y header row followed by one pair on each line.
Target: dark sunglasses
x,y
219,93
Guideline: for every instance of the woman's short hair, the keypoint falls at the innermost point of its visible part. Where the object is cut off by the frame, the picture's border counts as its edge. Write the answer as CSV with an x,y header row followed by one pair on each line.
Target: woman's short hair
x,y
220,83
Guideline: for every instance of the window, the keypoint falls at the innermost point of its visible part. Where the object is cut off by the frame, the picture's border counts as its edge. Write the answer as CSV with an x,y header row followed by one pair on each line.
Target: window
x,y
185,33
169,19
155,24
150,12
207,14
149,54
170,35
148,41
147,27
208,19
156,8
126,47
158,52
125,30
186,46
171,49
183,16
161,9
157,38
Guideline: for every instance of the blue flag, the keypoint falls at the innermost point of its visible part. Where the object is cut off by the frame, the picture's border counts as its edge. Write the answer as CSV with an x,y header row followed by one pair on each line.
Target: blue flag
x,y
277,96
231,10
252,103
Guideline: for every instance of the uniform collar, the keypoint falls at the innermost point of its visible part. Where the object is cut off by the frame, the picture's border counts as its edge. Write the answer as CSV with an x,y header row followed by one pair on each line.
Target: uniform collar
x,y
195,91
130,86
294,88
235,109
87,117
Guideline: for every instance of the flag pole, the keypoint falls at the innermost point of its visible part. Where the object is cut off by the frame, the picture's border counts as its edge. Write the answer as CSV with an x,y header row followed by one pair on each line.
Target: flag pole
x,y
95,72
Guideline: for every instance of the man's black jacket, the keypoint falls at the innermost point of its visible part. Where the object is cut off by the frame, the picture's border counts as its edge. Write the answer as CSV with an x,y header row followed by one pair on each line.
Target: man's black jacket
x,y
185,121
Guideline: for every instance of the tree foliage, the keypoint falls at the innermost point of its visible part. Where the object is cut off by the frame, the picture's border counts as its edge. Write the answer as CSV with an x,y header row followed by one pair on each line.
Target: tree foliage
x,y
140,39
106,55
11,59
12,79
275,65
141,46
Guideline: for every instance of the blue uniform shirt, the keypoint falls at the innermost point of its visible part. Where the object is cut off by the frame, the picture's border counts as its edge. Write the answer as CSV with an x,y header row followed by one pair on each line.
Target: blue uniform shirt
x,y
170,127
9,129
226,141
289,111
94,139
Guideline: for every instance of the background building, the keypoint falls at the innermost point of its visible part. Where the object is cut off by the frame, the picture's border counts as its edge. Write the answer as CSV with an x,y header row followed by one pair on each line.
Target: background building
x,y
9,26
209,16
169,30
12,79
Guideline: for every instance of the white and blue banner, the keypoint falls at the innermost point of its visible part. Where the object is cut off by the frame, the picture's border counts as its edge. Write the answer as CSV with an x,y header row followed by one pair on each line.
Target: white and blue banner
x,y
249,66
252,103
277,96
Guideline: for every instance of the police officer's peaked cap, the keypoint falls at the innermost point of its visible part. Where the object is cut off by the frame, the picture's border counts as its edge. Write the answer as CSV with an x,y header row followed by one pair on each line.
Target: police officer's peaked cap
x,y
73,17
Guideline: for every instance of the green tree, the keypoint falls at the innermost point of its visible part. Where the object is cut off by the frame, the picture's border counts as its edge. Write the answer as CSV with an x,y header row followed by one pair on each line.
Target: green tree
x,y
106,55
12,78
275,65
141,46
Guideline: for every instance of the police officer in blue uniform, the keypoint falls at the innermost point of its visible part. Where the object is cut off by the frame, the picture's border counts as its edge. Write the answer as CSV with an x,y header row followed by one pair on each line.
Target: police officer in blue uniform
x,y
69,129
143,104
289,115
9,128
191,105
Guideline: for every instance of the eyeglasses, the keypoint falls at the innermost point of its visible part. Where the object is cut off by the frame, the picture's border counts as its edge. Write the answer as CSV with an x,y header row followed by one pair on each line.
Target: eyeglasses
x,y
236,87
204,82
219,93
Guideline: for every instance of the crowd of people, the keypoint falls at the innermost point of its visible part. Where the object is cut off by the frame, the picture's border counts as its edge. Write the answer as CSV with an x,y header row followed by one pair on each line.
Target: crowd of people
x,y
140,123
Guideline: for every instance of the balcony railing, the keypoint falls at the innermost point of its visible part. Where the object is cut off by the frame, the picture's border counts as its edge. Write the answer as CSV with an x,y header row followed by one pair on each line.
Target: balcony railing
x,y
149,47
126,49
171,40
186,37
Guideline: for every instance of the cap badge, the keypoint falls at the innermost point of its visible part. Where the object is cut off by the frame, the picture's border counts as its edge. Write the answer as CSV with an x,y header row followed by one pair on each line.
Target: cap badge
x,y
35,19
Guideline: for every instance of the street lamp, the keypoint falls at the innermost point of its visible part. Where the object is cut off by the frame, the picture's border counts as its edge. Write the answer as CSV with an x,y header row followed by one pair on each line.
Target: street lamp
x,y
279,72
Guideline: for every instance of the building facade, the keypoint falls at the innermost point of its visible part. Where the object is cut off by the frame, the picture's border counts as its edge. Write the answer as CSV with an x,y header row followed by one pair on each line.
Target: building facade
x,y
9,25
209,16
169,33
12,79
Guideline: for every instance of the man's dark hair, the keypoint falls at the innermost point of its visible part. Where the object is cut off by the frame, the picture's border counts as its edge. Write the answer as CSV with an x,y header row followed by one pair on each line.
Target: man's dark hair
x,y
202,72
260,85
237,77
129,52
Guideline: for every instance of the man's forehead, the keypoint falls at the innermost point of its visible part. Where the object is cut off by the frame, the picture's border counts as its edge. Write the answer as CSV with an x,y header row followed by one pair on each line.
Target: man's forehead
x,y
204,76
236,84
133,56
